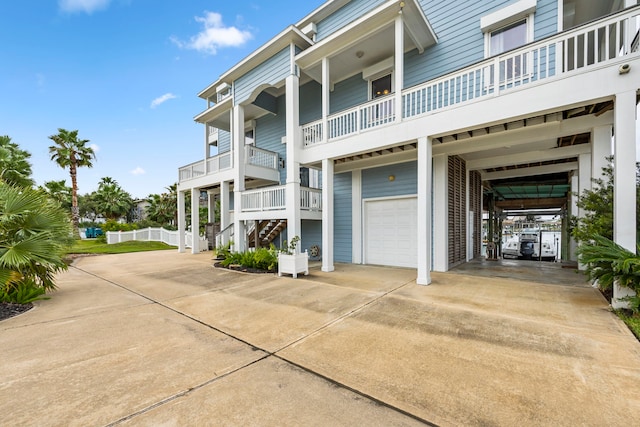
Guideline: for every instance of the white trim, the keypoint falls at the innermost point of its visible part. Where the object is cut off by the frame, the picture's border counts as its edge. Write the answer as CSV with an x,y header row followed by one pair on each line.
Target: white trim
x,y
529,29
356,217
379,76
378,70
502,17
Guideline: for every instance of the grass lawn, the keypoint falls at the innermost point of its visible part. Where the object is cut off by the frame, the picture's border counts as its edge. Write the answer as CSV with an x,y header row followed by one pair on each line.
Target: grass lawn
x,y
93,246
632,321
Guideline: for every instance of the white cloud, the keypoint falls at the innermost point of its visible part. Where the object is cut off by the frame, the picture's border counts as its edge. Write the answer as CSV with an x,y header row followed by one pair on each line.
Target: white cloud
x,y
161,99
138,171
214,35
87,6
94,147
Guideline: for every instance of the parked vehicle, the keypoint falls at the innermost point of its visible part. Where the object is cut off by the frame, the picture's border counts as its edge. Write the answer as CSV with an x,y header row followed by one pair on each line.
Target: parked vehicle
x,y
526,245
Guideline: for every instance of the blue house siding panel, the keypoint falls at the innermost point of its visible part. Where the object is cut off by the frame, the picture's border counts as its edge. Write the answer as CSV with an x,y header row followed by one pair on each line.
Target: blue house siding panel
x,y
376,183
348,93
545,20
269,132
349,13
224,141
311,234
310,102
342,221
460,39
270,72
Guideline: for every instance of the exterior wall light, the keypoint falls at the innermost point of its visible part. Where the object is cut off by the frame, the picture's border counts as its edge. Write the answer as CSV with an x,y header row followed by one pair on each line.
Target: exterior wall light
x,y
392,177
624,69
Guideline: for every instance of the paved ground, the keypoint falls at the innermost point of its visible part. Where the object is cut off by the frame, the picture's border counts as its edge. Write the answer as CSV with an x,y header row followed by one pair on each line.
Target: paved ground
x,y
163,338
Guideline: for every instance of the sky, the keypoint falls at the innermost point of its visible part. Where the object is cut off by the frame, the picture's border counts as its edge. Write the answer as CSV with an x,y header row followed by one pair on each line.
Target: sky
x,y
125,74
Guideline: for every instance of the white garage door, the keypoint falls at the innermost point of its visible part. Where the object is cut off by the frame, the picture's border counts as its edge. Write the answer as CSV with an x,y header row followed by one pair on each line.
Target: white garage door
x,y
391,232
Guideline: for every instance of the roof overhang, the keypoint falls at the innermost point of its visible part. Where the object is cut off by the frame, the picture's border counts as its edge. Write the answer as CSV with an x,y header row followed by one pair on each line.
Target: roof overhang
x,y
418,34
291,35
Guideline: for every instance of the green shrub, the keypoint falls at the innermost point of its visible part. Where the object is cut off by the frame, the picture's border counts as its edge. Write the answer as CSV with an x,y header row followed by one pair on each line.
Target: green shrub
x,y
22,292
261,259
608,262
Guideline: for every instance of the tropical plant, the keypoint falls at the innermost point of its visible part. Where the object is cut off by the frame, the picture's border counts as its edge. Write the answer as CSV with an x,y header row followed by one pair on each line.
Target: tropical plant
x,y
58,191
72,153
290,248
15,168
260,259
608,263
34,235
111,200
597,207
22,293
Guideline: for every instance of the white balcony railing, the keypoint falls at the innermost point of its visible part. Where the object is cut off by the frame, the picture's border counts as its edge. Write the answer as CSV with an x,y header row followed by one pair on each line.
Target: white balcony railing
x,y
259,157
193,170
310,199
264,199
254,156
212,134
573,51
274,198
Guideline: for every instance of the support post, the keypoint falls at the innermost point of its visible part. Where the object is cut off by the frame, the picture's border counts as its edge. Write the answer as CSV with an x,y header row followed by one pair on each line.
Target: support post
x,y
181,222
195,220
424,211
440,214
293,165
327,215
237,134
624,179
399,66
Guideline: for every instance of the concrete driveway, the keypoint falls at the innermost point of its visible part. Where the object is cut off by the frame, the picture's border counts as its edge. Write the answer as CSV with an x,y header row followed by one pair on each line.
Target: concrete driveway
x,y
162,338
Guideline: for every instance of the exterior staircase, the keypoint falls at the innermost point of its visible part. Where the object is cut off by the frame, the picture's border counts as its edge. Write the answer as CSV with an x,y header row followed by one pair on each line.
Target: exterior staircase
x,y
268,231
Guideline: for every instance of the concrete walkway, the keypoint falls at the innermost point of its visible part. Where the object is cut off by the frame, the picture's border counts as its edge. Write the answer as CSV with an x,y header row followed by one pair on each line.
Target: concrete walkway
x,y
162,338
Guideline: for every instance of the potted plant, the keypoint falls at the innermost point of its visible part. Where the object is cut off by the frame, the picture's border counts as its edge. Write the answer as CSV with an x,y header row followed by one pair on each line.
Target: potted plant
x,y
291,261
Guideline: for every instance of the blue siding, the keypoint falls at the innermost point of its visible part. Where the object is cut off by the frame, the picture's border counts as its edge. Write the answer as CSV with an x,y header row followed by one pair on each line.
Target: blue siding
x,y
270,72
310,102
269,132
348,93
375,181
349,13
224,141
545,19
311,234
460,39
342,222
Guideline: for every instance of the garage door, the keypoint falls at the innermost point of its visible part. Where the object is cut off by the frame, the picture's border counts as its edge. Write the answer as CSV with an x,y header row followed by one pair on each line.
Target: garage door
x,y
391,232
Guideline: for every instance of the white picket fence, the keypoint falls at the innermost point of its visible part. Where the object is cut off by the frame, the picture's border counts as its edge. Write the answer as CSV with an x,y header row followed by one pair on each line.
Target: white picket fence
x,y
155,235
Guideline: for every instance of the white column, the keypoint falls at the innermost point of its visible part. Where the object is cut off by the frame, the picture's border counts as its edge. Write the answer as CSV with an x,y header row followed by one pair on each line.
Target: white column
x,y
326,90
195,220
211,207
207,149
327,215
584,176
224,209
181,223
575,188
356,216
624,179
399,65
292,162
440,214
600,149
424,211
237,138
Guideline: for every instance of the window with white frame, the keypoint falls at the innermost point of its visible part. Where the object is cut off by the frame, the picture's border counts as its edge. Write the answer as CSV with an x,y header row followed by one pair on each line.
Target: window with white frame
x,y
504,30
381,86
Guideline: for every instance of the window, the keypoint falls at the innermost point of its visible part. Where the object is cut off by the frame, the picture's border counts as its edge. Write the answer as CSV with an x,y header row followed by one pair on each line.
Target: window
x,y
381,86
507,38
248,137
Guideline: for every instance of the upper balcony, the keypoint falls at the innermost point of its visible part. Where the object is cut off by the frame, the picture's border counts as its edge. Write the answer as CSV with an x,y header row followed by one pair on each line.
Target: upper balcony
x,y
579,50
259,163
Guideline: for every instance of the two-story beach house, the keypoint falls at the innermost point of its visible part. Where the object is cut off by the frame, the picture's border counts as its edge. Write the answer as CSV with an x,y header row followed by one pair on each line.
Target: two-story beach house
x,y
379,131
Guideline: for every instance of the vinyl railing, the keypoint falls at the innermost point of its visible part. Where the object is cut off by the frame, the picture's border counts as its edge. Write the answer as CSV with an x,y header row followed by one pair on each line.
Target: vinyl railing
x,y
274,198
310,199
264,199
154,235
573,51
191,171
259,157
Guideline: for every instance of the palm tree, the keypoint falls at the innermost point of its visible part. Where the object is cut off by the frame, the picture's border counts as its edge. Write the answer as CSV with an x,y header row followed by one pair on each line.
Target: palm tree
x,y
111,200
14,166
58,191
34,233
71,152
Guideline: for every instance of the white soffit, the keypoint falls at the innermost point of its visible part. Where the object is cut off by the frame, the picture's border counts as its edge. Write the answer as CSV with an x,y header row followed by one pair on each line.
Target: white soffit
x,y
507,15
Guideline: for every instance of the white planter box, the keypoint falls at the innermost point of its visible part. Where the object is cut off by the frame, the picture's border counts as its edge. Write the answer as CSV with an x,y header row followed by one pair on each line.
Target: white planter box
x,y
293,264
